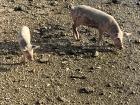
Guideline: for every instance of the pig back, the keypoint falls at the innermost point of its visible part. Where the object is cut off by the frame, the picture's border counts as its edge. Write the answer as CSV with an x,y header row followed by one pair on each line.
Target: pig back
x,y
24,37
91,15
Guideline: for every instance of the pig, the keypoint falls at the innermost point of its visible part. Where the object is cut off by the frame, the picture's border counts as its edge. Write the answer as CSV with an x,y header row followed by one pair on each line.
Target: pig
x,y
24,40
91,17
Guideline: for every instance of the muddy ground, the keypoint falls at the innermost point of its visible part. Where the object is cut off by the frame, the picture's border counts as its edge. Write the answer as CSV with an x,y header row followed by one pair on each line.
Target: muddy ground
x,y
65,71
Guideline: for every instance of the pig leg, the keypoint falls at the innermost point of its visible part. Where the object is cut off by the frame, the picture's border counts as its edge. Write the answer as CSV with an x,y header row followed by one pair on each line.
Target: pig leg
x,y
99,38
24,58
75,32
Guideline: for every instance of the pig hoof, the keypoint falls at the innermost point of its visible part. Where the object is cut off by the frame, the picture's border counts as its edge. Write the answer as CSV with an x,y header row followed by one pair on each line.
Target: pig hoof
x,y
78,39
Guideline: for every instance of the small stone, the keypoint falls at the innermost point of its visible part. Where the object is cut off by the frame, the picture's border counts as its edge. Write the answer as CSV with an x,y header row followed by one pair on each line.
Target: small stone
x,y
19,8
96,54
98,67
43,60
137,41
9,57
2,10
132,93
101,93
10,10
78,77
91,68
108,85
138,3
53,3
67,69
62,99
37,103
85,90
48,85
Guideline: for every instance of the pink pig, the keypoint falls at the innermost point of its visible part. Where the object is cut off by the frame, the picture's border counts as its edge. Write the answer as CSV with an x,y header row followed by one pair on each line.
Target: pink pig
x,y
105,23
24,40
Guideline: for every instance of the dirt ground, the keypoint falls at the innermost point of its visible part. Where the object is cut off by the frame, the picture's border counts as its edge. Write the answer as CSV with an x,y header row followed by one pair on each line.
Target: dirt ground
x,y
65,71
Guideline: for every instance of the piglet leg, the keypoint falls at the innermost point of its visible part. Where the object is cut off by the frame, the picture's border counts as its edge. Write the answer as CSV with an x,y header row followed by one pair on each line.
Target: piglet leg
x,y
75,32
99,38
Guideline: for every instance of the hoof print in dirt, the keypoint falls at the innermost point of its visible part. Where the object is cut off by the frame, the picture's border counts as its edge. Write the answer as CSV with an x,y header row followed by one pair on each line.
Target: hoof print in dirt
x,y
85,90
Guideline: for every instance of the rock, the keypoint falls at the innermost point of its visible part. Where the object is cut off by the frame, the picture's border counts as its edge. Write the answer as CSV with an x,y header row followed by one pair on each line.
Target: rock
x,y
91,68
96,54
20,8
78,77
86,90
10,10
37,103
137,41
62,99
108,85
43,59
101,93
132,92
8,57
98,67
138,2
54,3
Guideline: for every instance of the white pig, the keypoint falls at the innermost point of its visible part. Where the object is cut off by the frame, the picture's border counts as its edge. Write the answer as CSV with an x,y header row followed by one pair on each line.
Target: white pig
x,y
91,17
24,40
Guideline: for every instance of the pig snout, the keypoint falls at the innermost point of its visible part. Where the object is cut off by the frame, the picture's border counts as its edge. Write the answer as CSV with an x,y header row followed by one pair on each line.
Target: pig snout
x,y
118,43
29,54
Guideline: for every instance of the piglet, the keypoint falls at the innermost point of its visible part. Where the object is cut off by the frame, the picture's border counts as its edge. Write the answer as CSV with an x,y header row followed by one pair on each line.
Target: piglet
x,y
24,40
91,17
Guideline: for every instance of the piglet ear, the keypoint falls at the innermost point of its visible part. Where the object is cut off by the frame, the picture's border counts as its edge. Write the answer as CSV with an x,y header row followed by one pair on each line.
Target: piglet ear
x,y
35,46
127,34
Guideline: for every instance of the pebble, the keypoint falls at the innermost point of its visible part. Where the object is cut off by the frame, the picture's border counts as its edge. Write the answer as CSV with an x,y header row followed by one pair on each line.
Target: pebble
x,y
37,103
19,8
137,41
43,60
62,99
86,90
98,67
53,3
78,77
96,54
138,3
108,85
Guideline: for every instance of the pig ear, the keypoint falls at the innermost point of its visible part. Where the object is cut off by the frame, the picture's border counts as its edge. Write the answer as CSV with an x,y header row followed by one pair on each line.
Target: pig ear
x,y
127,34
35,47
